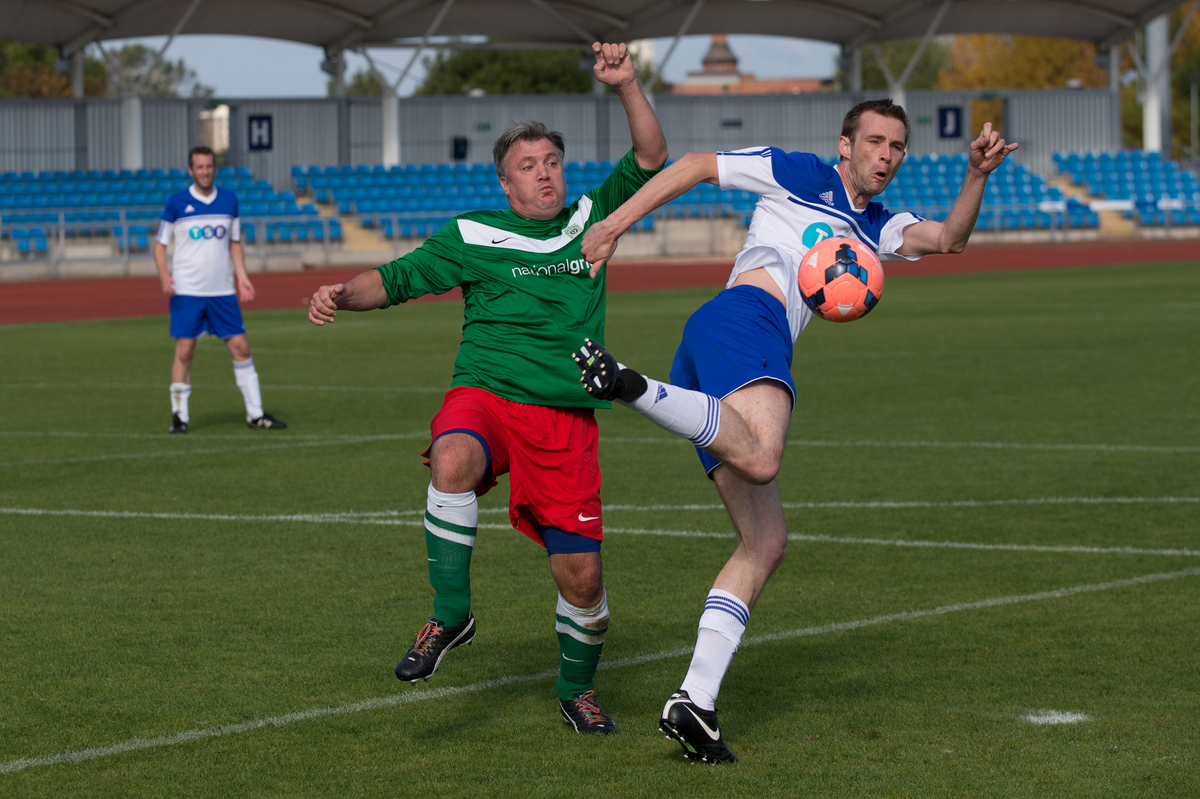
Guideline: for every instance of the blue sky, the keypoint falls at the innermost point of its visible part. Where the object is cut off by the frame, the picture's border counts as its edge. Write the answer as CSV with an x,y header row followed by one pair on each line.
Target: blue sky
x,y
241,66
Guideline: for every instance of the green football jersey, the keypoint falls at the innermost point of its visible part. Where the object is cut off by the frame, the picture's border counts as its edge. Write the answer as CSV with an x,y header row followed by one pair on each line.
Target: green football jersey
x,y
528,300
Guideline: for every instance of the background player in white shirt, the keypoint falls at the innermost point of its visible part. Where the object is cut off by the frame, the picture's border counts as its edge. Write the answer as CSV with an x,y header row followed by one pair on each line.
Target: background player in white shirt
x,y
203,223
731,390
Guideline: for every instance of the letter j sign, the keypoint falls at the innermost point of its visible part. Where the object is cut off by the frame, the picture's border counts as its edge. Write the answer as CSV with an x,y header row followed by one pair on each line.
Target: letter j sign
x,y
950,122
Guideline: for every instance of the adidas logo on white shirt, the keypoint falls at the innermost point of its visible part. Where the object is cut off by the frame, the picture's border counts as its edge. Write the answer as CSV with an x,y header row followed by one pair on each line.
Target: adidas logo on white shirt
x,y
189,209
827,196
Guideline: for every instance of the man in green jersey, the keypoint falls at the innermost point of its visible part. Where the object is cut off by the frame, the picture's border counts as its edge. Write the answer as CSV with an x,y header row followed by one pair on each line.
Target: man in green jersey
x,y
515,404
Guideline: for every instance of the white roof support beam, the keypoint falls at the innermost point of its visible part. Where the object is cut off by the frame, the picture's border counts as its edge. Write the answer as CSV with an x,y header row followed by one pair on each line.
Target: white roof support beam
x,y
896,85
158,56
683,29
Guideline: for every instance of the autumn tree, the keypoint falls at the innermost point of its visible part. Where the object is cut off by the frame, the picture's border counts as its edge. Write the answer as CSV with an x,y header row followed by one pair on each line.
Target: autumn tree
x,y
30,70
990,61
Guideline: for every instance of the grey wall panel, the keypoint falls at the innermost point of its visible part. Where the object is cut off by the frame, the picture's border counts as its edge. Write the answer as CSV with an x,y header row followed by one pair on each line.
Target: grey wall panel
x,y
165,129
428,124
366,131
37,135
304,132
104,134
1049,122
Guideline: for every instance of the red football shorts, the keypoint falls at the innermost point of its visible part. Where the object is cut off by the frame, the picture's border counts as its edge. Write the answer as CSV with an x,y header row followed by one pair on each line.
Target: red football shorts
x,y
549,453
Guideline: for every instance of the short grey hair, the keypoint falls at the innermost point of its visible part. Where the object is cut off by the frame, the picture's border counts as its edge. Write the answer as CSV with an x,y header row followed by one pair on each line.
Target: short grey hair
x,y
524,131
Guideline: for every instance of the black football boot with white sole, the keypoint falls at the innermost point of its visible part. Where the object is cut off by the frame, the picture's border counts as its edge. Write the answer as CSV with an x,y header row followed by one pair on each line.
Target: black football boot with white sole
x,y
603,377
696,730
433,642
586,716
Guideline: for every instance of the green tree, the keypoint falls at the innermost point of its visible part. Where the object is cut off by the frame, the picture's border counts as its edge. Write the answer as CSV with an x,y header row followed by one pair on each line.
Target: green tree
x,y
506,72
364,83
30,70
168,79
896,54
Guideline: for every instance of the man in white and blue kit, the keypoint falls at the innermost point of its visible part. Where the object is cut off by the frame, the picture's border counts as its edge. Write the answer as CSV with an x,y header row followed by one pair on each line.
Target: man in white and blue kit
x,y
731,391
203,223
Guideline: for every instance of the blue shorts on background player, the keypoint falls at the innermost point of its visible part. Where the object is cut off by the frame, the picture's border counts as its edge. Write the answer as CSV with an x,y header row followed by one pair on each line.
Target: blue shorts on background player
x,y
202,222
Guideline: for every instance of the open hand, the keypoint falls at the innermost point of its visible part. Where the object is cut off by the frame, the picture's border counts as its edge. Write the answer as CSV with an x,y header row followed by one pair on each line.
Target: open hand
x,y
614,65
322,307
989,150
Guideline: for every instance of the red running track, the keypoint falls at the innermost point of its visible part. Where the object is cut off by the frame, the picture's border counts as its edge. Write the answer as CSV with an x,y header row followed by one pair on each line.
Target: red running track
x,y
111,298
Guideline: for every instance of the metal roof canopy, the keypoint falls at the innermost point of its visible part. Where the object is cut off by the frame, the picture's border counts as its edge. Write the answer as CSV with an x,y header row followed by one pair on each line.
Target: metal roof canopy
x,y
351,24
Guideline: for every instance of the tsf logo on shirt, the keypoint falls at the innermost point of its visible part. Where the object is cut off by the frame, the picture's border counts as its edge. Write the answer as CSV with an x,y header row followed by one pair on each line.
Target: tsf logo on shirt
x,y
207,232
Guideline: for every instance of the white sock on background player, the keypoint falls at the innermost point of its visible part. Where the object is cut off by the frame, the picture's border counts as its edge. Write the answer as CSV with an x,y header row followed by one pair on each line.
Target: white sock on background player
x,y
692,414
247,380
179,400
721,627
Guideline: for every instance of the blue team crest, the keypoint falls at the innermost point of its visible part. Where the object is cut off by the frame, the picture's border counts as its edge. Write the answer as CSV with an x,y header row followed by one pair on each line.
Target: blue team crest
x,y
816,233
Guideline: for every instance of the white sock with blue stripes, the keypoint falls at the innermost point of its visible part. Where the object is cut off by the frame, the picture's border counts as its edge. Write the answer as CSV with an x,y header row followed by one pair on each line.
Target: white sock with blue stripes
x,y
246,377
721,628
692,414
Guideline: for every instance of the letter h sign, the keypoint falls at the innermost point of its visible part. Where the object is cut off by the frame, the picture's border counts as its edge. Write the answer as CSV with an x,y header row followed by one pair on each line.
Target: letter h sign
x,y
261,133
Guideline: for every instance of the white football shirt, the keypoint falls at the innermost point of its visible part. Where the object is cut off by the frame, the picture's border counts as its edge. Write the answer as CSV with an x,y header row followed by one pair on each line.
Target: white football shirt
x,y
202,228
802,201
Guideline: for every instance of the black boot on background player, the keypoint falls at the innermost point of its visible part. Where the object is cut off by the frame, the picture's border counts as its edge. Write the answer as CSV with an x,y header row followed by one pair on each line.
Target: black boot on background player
x,y
432,644
696,730
603,377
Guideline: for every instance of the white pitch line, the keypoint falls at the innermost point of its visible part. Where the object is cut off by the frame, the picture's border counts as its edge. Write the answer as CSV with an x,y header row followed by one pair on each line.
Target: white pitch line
x,y
396,518
365,389
215,450
1043,717
794,442
395,700
163,436
799,442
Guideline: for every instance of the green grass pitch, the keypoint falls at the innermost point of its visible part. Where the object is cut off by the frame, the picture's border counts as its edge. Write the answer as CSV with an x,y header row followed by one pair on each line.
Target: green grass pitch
x,y
219,614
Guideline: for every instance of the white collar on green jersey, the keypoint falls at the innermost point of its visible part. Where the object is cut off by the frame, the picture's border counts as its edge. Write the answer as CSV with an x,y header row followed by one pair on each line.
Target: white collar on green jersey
x,y
483,235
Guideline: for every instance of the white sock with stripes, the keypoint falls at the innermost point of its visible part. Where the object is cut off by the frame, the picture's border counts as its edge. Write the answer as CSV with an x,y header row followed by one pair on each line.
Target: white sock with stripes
x,y
179,400
246,377
692,414
721,628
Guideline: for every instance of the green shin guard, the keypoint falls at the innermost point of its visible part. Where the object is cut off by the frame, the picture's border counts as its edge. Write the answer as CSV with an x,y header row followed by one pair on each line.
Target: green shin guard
x,y
450,576
579,658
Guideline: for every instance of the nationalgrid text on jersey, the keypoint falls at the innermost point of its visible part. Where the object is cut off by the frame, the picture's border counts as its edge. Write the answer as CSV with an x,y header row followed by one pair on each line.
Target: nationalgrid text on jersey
x,y
574,267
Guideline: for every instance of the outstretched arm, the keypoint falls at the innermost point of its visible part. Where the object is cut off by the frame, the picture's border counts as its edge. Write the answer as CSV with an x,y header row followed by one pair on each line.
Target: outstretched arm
x,y
363,293
614,67
600,241
924,238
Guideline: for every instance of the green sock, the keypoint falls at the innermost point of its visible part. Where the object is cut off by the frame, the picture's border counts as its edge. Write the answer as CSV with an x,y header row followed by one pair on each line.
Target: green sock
x,y
581,634
449,569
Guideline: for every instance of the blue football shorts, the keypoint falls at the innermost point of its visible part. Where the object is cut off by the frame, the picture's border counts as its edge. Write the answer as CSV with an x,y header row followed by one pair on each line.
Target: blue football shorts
x,y
738,337
217,316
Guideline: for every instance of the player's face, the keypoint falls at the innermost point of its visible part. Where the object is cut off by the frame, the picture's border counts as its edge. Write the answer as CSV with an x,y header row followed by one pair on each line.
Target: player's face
x,y
534,183
202,170
875,152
